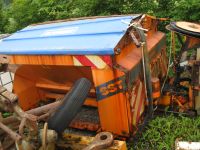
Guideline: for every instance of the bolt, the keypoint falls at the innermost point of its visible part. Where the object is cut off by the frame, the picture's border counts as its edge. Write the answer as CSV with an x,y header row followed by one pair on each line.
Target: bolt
x,y
118,51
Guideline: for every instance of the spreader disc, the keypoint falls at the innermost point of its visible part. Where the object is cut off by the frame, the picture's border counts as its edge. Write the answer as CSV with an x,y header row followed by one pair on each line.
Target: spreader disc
x,y
188,26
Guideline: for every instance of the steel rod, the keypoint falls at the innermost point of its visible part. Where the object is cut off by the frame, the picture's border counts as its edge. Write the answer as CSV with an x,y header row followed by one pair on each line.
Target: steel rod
x,y
44,109
12,134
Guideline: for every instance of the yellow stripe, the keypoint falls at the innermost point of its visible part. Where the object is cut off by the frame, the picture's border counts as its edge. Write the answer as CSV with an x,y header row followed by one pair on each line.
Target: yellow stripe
x,y
142,107
133,97
76,62
97,61
137,103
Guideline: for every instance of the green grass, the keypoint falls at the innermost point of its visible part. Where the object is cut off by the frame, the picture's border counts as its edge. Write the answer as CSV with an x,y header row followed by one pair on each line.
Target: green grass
x,y
162,132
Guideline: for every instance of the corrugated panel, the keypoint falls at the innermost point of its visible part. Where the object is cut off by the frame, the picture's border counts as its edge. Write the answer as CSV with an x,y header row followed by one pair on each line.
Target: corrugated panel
x,y
82,37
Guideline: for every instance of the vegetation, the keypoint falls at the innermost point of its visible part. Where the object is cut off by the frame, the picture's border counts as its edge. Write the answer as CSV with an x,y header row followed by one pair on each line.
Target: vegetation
x,y
16,14
162,132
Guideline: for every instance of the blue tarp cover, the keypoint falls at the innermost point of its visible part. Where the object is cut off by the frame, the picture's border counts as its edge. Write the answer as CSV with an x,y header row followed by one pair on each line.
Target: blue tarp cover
x,y
81,37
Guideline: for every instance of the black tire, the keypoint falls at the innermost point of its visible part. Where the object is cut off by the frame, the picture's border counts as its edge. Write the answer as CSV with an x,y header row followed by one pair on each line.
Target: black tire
x,y
71,105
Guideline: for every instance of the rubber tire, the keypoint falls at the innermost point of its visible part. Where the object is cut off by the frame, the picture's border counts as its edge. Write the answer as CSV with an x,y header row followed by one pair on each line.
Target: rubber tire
x,y
71,105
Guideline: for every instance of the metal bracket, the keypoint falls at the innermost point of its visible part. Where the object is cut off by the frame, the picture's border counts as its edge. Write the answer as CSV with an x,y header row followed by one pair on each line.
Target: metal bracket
x,y
135,40
101,141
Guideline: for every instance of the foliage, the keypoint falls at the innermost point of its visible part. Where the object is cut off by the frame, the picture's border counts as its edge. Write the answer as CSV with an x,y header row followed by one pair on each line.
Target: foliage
x,y
20,14
6,114
16,14
1,16
162,132
187,10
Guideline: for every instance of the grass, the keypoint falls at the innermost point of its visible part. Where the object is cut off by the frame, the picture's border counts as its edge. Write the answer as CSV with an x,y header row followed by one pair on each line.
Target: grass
x,y
162,132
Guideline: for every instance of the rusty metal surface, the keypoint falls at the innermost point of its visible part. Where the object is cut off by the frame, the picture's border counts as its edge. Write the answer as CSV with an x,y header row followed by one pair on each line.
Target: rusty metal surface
x,y
21,126
13,135
8,143
79,141
87,118
17,123
155,87
8,99
6,96
44,109
1,147
101,141
47,135
24,145
44,136
10,96
4,61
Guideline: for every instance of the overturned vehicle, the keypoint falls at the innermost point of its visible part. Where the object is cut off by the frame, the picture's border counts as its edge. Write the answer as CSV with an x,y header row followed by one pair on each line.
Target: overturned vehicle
x,y
102,75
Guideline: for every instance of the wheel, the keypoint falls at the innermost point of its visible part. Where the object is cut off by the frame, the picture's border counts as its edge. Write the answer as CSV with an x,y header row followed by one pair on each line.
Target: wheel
x,y
70,106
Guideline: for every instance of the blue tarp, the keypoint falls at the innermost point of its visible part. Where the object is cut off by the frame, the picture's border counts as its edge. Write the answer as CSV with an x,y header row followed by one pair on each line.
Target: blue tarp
x,y
81,37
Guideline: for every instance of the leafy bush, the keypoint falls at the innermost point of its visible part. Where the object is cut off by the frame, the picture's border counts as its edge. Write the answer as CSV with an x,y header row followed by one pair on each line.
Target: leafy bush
x,y
187,10
17,14
1,16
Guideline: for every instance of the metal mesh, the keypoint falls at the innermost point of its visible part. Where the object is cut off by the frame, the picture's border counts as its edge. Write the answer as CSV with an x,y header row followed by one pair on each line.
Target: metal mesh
x,y
6,80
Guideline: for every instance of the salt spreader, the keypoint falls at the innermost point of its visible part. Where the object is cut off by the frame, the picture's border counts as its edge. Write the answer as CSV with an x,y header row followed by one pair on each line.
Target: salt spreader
x,y
96,74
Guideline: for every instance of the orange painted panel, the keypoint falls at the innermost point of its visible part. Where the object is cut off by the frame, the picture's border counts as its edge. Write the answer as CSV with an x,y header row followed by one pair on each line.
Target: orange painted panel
x,y
27,78
42,59
27,92
113,109
131,55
